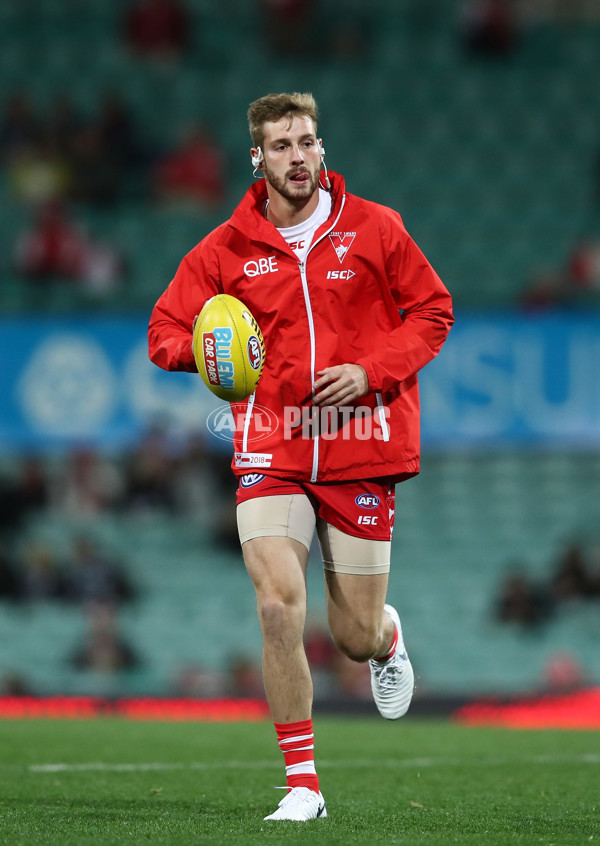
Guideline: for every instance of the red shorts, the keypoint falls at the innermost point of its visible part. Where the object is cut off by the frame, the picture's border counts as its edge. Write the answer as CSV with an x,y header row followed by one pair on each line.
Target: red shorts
x,y
364,509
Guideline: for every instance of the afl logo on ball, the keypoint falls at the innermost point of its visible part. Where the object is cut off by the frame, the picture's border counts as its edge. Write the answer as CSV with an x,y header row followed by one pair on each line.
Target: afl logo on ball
x,y
367,501
254,352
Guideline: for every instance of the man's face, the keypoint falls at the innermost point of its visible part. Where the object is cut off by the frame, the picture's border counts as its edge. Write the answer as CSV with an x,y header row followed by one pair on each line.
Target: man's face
x,y
292,158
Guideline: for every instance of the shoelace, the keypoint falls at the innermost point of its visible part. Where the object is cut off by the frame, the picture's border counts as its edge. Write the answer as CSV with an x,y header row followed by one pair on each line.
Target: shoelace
x,y
387,676
302,796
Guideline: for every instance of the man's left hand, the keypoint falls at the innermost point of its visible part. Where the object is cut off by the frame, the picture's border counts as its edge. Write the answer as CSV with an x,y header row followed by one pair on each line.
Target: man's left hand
x,y
340,384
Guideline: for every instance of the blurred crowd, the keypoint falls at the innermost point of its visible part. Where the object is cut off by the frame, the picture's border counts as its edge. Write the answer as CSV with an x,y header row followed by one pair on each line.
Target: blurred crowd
x,y
574,577
103,159
156,477
577,282
59,161
334,675
157,474
60,158
528,605
159,477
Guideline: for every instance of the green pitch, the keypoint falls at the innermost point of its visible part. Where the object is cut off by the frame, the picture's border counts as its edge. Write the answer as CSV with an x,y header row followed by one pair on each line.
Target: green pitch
x,y
73,783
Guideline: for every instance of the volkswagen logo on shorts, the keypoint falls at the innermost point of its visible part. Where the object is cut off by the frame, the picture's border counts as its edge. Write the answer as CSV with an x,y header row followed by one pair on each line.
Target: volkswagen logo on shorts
x,y
250,479
367,501
224,421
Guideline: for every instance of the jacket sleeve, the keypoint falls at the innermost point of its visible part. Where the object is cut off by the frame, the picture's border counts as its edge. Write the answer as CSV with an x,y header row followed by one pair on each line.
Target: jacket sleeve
x,y
170,331
426,312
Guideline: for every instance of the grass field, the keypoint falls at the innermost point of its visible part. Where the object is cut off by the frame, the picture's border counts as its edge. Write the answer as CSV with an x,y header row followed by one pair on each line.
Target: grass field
x,y
112,781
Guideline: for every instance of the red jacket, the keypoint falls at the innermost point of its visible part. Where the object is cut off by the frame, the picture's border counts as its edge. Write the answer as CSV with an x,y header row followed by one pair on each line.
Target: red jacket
x,y
365,295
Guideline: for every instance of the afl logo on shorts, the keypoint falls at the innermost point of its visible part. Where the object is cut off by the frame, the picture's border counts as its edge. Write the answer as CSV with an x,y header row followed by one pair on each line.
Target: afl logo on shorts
x,y
367,501
250,479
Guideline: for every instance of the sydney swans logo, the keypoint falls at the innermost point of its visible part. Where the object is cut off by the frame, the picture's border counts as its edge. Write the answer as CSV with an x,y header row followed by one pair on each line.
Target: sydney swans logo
x,y
341,242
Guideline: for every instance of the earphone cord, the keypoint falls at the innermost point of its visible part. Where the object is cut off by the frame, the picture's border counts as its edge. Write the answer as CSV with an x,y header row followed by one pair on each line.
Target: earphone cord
x,y
327,182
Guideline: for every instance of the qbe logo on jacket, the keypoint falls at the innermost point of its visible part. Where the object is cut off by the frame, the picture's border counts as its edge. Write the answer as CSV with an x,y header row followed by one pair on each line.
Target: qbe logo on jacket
x,y
261,266
216,346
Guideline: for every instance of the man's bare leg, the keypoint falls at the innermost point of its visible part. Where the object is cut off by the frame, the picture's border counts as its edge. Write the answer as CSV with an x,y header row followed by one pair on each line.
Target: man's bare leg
x,y
359,626
277,567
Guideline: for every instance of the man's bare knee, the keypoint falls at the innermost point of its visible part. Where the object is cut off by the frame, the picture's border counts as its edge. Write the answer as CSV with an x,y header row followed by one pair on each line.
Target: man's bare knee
x,y
358,642
279,616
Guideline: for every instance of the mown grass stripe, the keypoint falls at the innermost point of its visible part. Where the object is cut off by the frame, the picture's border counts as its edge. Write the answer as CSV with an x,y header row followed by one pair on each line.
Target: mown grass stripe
x,y
391,763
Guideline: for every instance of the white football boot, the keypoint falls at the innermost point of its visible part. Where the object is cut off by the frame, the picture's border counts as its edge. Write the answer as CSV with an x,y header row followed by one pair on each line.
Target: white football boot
x,y
393,681
300,805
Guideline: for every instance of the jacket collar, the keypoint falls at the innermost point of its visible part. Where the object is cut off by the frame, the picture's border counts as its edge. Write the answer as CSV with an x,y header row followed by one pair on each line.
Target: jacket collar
x,y
248,216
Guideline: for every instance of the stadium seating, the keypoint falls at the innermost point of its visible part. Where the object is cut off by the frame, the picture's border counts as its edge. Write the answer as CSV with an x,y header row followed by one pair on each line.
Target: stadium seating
x,y
489,162
460,526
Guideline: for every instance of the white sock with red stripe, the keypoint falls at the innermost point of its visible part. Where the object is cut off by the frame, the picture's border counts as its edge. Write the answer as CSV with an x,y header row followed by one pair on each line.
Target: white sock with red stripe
x,y
297,742
391,650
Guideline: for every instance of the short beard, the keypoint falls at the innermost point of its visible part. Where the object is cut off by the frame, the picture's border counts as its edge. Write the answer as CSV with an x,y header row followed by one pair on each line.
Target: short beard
x,y
280,185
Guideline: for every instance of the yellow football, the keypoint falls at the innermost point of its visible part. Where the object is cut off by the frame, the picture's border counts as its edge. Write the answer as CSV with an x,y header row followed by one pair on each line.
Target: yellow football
x,y
228,348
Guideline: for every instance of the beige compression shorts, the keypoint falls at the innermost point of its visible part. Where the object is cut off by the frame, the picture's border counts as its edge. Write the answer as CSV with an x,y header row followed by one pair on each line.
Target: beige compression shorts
x,y
293,516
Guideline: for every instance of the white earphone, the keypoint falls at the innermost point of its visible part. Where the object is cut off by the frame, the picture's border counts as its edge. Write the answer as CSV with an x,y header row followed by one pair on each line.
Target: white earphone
x,y
327,182
257,159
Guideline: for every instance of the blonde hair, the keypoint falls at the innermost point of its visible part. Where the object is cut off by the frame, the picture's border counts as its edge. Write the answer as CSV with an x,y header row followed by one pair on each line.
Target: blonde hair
x,y
274,107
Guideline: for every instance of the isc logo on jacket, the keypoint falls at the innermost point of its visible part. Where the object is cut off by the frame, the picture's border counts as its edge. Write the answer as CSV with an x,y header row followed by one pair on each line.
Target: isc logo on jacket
x,y
340,274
